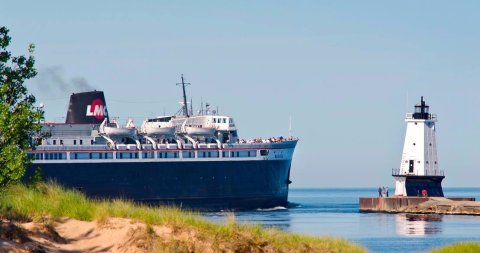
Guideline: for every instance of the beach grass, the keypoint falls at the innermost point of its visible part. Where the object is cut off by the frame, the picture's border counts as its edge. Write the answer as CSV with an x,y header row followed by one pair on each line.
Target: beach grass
x,y
464,247
49,200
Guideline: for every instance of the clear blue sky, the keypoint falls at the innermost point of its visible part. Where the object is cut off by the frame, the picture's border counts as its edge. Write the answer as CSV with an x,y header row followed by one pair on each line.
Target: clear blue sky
x,y
341,69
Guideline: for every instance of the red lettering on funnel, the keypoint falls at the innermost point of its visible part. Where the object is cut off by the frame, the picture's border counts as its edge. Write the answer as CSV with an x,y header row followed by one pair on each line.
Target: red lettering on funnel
x,y
97,109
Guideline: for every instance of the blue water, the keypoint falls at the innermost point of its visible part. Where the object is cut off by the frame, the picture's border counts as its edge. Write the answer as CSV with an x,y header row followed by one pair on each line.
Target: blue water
x,y
334,212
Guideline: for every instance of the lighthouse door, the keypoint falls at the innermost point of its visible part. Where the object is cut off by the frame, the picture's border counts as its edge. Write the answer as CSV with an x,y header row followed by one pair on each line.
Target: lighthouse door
x,y
410,166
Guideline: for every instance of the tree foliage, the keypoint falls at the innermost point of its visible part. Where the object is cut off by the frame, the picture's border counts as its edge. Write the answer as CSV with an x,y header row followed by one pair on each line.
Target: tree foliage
x,y
19,118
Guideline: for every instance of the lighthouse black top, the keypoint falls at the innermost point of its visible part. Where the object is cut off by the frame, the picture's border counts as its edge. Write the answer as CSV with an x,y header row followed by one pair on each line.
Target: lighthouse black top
x,y
195,161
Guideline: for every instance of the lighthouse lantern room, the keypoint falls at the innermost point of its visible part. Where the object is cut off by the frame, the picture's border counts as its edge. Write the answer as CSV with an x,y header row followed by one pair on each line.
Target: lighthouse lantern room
x,y
419,173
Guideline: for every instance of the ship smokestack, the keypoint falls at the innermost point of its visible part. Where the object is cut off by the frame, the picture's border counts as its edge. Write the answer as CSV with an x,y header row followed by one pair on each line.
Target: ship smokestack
x,y
87,108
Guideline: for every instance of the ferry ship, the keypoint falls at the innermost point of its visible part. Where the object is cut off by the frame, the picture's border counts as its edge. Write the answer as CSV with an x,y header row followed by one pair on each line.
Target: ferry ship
x,y
194,161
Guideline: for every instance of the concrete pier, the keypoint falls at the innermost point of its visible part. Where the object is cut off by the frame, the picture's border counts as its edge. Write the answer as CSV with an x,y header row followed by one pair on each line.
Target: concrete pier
x,y
437,205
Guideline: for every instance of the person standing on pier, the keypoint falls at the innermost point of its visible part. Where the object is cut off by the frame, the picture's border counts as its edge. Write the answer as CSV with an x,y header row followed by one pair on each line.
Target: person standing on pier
x,y
380,192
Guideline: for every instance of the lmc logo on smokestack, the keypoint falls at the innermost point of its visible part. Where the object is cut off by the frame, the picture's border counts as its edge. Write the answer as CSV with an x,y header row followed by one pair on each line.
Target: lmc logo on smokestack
x,y
97,109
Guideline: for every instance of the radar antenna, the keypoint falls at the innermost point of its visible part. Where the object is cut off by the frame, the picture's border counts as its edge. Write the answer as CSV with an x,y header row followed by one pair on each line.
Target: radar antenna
x,y
185,106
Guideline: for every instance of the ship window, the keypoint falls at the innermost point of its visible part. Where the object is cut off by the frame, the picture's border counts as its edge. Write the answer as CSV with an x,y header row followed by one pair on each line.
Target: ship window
x,y
263,152
175,154
121,155
54,142
76,156
100,155
37,157
136,155
91,142
75,143
161,154
209,154
51,156
90,155
81,142
55,156
61,142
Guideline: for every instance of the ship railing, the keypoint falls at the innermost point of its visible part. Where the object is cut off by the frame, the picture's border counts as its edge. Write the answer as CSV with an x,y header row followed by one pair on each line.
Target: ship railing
x,y
71,147
398,172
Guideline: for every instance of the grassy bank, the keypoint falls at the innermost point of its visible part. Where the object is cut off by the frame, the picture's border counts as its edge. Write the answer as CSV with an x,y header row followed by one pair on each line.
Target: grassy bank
x,y
50,201
464,247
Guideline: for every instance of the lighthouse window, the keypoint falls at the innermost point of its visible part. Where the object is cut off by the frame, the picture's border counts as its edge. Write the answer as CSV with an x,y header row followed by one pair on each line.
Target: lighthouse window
x,y
414,144
224,120
435,162
430,144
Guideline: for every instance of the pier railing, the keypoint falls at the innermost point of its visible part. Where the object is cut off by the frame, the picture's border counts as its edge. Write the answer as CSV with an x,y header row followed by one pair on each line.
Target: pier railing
x,y
397,172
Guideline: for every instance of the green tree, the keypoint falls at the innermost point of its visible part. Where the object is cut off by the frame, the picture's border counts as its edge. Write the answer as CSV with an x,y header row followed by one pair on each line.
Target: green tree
x,y
19,118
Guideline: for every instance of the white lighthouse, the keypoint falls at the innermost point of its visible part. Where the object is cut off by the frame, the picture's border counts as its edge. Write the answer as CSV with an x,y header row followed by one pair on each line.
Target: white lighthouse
x,y
419,173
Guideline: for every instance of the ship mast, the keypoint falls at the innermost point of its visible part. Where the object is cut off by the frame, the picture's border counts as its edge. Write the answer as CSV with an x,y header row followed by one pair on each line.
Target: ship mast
x,y
185,107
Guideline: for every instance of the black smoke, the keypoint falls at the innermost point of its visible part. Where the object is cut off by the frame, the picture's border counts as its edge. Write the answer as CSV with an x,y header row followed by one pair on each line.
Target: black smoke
x,y
52,81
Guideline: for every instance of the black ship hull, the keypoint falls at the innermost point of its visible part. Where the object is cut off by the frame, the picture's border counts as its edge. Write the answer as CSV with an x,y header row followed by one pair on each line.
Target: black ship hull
x,y
206,185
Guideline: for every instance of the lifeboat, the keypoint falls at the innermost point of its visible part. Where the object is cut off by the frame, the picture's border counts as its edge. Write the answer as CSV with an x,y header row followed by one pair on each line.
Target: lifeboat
x,y
114,130
157,129
203,131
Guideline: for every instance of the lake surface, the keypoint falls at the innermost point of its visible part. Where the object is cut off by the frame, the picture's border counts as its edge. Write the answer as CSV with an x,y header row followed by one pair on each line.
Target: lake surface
x,y
334,212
